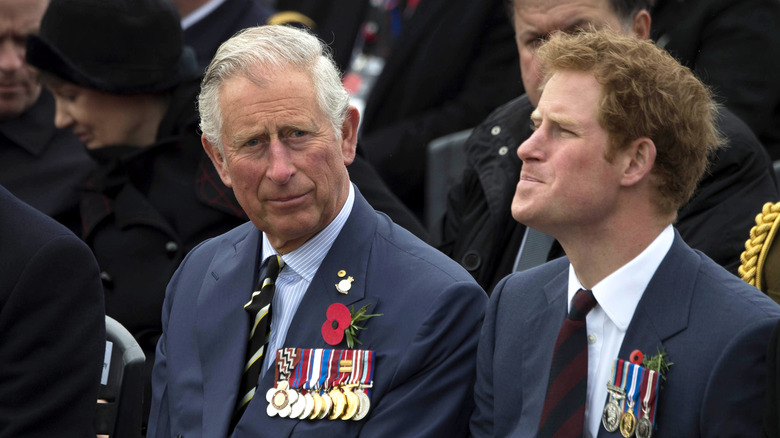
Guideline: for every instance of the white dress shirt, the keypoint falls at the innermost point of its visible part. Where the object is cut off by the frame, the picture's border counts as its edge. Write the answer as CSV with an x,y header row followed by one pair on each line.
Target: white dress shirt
x,y
300,265
617,295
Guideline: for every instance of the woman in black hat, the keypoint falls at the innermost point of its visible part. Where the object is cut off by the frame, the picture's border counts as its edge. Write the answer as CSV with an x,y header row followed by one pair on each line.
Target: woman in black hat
x,y
126,85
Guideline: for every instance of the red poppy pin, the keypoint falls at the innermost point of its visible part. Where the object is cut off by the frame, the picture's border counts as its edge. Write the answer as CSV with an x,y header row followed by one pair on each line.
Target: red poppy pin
x,y
341,323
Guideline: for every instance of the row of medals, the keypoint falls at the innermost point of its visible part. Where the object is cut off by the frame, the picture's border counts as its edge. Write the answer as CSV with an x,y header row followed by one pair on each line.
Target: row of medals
x,y
613,418
339,403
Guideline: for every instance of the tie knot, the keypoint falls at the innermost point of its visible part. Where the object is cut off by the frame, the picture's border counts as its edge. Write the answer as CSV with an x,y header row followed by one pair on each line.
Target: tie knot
x,y
275,264
581,304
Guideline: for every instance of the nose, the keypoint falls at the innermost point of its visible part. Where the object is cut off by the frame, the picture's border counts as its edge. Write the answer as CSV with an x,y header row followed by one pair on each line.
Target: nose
x,y
62,118
531,148
11,56
280,166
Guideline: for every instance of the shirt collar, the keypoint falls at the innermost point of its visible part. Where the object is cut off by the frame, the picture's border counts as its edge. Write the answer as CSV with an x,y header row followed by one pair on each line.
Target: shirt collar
x,y
306,259
619,293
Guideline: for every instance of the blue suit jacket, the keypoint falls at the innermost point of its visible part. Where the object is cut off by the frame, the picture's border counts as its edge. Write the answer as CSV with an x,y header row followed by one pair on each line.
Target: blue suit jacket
x,y
714,327
425,342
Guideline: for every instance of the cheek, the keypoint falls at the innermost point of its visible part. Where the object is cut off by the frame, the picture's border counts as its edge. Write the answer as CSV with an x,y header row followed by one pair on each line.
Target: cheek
x,y
531,75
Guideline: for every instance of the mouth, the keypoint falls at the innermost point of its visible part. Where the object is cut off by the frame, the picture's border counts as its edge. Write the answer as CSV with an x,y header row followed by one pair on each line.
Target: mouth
x,y
524,177
6,88
83,137
287,200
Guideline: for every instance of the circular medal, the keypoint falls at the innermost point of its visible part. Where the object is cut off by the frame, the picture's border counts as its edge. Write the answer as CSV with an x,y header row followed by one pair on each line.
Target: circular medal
x,y
297,407
610,418
315,412
338,403
308,406
269,395
364,404
280,399
327,404
644,428
627,424
352,405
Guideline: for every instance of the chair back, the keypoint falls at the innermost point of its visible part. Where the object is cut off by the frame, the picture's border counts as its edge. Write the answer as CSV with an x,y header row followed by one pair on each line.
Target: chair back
x,y
446,159
120,405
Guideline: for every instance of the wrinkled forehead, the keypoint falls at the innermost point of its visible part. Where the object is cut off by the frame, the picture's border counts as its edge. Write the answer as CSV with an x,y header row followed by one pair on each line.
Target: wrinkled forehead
x,y
543,17
21,17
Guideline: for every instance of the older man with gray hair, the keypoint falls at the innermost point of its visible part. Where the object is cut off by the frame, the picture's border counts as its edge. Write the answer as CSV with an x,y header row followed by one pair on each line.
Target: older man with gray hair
x,y
321,315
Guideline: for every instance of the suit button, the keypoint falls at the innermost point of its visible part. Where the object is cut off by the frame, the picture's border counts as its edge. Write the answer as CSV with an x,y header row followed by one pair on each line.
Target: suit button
x,y
471,261
171,248
108,282
495,130
503,150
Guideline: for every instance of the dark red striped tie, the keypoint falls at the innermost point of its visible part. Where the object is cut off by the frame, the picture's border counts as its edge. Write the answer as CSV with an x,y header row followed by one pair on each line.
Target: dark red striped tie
x,y
563,414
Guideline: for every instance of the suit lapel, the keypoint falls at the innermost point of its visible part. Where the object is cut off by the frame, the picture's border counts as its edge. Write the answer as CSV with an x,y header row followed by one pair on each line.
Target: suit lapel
x,y
224,330
350,252
663,310
543,328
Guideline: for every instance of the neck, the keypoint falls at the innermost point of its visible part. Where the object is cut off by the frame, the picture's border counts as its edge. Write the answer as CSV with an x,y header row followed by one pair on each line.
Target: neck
x,y
153,109
597,253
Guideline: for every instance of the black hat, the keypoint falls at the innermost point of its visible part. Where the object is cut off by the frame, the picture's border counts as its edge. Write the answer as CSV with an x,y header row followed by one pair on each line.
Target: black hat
x,y
116,46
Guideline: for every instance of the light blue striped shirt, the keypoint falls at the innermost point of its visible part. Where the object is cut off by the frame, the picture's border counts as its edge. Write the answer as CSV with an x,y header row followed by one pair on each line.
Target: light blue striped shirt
x,y
300,265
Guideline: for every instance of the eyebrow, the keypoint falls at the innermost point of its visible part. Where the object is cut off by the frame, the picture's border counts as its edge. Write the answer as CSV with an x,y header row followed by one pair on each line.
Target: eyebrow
x,y
579,24
557,118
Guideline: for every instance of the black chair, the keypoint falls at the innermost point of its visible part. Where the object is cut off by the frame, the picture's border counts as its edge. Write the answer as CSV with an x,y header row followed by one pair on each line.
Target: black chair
x,y
446,159
120,405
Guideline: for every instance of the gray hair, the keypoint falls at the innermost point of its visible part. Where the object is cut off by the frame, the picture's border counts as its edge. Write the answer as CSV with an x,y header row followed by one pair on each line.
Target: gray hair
x,y
257,50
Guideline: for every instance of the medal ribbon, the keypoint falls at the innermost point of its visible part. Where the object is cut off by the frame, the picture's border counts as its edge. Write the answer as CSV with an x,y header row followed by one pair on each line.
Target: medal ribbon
x,y
286,359
357,367
635,379
649,394
301,372
333,368
367,377
314,369
324,367
347,355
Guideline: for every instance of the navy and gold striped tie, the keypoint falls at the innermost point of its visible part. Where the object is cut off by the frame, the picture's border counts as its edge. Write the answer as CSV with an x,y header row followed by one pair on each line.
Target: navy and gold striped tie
x,y
563,414
259,309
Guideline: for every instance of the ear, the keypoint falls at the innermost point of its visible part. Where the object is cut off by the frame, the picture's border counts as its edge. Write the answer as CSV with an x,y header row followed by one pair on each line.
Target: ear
x,y
218,159
640,27
349,135
639,159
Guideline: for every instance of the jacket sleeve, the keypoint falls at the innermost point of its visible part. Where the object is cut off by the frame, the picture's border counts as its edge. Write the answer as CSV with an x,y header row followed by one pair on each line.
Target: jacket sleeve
x,y
52,340
434,396
733,403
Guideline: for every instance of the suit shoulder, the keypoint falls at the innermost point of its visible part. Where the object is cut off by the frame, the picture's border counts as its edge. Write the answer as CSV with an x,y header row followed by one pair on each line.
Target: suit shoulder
x,y
514,287
738,300
399,247
209,247
28,229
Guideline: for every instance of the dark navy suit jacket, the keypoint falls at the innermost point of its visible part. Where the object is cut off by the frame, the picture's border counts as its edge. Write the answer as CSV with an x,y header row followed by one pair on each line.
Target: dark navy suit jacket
x,y
425,342
714,327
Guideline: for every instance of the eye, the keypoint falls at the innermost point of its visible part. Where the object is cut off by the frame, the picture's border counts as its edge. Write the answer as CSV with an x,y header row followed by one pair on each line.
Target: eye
x,y
253,142
534,43
533,125
298,134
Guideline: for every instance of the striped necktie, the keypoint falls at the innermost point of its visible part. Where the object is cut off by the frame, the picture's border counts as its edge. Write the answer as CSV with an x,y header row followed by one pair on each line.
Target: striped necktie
x,y
563,414
259,309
